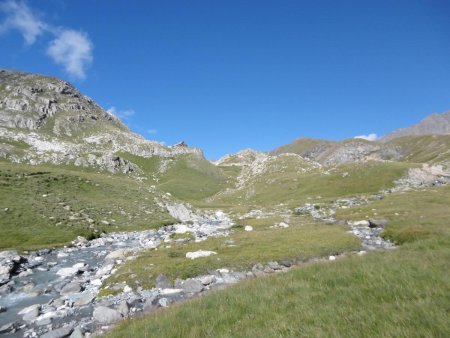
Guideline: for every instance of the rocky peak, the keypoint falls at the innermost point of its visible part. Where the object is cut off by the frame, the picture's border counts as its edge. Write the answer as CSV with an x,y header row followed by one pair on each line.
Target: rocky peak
x,y
32,102
434,124
53,122
242,158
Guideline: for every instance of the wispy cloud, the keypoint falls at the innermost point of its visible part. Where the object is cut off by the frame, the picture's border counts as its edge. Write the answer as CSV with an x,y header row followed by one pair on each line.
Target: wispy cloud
x,y
19,17
151,131
369,137
122,114
72,50
69,48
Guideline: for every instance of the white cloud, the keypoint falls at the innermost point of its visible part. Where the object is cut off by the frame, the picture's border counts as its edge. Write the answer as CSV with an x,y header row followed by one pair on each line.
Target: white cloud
x,y
20,17
152,131
69,48
72,50
369,137
122,114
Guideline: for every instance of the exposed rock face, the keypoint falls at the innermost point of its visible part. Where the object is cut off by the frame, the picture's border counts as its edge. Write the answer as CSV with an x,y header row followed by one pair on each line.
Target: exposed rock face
x,y
436,124
242,158
31,101
46,120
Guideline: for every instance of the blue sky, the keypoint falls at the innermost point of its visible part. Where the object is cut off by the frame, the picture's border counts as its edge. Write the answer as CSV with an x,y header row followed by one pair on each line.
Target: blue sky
x,y
227,75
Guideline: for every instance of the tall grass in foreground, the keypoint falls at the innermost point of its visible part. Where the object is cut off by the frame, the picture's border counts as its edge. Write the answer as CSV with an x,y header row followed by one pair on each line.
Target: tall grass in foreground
x,y
401,293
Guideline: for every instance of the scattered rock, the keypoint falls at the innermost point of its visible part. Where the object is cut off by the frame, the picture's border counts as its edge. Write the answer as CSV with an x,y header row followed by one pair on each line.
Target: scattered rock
x,y
363,223
62,332
75,269
206,280
10,327
30,313
117,254
167,292
77,333
163,302
248,228
123,308
163,282
71,288
86,298
274,266
192,286
105,315
200,253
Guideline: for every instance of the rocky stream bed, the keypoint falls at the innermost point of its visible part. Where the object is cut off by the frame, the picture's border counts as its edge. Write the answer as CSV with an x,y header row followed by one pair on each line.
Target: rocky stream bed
x,y
53,293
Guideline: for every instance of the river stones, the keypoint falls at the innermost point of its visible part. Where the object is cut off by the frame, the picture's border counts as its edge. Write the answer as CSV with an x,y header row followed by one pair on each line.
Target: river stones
x,y
192,286
64,331
84,299
70,288
105,315
163,282
30,313
200,253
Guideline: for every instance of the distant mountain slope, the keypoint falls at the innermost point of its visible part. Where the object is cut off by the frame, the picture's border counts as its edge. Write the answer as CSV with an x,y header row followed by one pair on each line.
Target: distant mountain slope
x,y
347,151
434,124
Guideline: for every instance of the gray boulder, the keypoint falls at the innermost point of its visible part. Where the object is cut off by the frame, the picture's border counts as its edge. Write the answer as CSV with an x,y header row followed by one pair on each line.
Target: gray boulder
x,y
85,299
192,286
105,315
163,282
30,313
123,308
70,288
77,333
62,332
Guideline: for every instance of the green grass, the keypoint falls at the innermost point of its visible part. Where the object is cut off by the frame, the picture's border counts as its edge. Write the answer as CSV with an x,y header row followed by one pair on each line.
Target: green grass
x,y
294,188
299,241
404,293
191,179
397,293
426,148
412,215
49,206
20,145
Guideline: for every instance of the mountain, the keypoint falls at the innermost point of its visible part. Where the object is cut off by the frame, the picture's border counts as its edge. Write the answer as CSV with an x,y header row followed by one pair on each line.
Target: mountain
x,y
434,124
47,120
427,141
333,152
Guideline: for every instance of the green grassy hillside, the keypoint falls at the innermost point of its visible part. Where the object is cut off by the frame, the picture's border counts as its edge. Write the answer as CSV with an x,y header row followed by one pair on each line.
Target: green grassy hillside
x,y
292,187
44,206
424,149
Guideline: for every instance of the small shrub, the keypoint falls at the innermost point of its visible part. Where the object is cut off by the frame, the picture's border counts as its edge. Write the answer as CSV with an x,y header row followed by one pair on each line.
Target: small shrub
x,y
411,234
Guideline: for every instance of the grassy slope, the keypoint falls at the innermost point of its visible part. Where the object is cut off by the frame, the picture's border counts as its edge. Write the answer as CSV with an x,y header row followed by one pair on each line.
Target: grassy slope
x,y
294,188
302,146
49,206
187,177
192,179
428,148
400,293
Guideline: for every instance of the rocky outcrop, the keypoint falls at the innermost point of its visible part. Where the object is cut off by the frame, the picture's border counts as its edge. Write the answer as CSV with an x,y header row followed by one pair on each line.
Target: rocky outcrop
x,y
59,125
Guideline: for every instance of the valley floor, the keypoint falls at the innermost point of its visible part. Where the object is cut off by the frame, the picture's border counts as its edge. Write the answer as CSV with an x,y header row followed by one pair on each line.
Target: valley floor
x,y
399,293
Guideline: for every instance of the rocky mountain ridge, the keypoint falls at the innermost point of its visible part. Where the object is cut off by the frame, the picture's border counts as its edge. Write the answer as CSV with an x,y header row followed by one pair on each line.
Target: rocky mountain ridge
x,y
434,124
46,120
